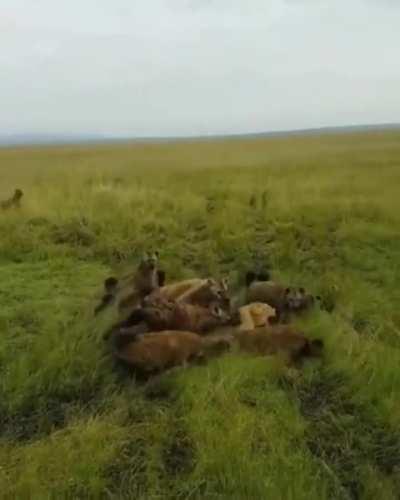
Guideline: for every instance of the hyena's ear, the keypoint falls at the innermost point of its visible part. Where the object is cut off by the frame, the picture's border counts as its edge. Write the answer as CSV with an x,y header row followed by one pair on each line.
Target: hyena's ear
x,y
216,311
302,291
250,277
316,347
225,284
156,254
288,290
264,276
145,256
110,284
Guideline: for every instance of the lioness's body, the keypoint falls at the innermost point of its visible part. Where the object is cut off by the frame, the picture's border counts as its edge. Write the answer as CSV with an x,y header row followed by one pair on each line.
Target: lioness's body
x,y
174,291
196,291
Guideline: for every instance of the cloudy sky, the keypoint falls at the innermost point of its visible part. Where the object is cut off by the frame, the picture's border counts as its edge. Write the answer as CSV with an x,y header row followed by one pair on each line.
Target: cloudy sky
x,y
187,67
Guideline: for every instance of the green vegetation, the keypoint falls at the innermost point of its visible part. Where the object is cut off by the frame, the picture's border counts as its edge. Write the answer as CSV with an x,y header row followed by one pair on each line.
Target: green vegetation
x,y
322,212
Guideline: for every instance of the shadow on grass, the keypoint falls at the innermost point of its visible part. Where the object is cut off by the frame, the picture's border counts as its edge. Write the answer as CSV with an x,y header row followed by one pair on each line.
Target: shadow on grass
x,y
343,435
178,453
40,417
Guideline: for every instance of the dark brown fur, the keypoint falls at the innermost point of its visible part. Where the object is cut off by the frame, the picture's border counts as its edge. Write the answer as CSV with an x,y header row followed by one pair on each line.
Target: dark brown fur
x,y
163,350
279,338
134,323
176,316
195,291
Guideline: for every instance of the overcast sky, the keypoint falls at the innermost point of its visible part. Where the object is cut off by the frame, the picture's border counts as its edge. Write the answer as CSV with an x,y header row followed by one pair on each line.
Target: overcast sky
x,y
184,67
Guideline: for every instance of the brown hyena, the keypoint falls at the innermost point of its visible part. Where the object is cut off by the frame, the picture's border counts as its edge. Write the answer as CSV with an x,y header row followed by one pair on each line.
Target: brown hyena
x,y
168,315
283,299
279,338
130,290
160,351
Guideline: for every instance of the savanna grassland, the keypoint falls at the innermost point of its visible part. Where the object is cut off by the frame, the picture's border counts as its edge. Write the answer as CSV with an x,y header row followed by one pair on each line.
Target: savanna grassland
x,y
322,212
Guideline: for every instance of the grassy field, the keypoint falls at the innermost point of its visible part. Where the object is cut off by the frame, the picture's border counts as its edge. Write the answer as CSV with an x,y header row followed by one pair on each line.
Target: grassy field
x,y
326,216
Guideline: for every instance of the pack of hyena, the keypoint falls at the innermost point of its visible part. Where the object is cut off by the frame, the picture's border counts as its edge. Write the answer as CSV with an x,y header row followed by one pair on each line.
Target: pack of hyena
x,y
163,325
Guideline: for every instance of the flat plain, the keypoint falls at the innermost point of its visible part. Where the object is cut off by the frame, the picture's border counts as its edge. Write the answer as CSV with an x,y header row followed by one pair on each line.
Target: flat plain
x,y
318,211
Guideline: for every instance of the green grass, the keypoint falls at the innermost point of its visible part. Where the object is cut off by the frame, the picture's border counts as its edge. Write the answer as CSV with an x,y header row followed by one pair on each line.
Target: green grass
x,y
326,216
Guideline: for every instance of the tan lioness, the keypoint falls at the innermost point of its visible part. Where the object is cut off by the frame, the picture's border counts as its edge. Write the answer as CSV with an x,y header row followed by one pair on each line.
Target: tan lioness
x,y
255,315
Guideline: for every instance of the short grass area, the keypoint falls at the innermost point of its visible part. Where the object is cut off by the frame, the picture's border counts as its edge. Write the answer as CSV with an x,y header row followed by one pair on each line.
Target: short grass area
x,y
321,212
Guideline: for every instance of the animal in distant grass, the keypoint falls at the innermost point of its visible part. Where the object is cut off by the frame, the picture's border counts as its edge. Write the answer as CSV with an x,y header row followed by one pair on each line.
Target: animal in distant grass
x,y
283,299
279,339
13,202
131,289
167,349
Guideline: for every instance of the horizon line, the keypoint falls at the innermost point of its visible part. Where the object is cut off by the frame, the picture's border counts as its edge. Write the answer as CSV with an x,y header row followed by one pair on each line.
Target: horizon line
x,y
64,139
